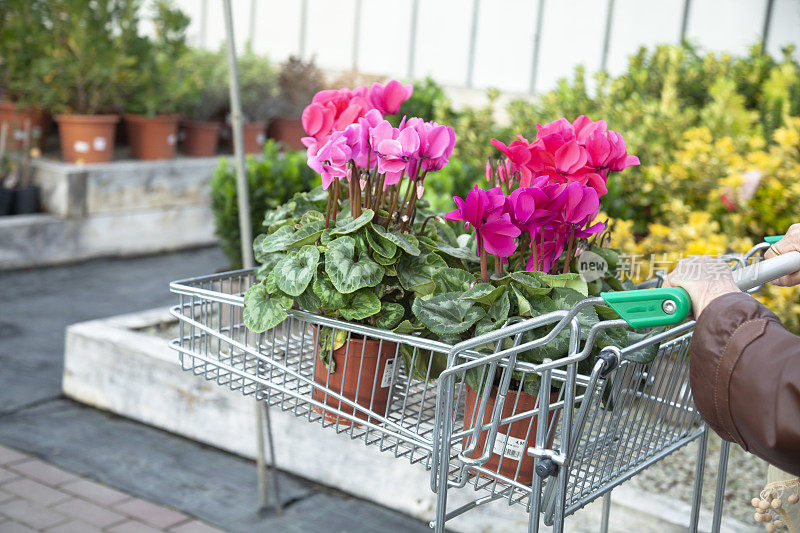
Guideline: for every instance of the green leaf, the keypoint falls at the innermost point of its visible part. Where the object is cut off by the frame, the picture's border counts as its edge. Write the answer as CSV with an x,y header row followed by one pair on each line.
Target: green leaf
x,y
523,305
308,234
381,246
385,261
273,242
405,242
351,225
270,284
294,272
262,312
268,262
452,280
329,297
648,353
325,238
405,327
346,274
465,253
566,299
363,304
416,273
312,216
391,315
530,282
570,280
495,317
484,293
445,314
308,301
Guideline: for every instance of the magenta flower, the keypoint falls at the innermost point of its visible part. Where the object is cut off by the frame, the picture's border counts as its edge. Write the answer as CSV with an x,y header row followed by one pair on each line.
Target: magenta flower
x,y
387,99
484,211
518,154
318,119
394,154
331,159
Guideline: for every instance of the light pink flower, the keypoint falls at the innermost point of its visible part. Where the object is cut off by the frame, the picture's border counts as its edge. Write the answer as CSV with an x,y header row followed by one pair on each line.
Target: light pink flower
x,y
388,98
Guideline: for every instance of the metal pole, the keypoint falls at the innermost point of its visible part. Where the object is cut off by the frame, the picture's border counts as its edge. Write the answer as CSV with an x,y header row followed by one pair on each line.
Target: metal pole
x,y
697,493
536,38
767,22
685,20
719,496
356,35
606,512
203,22
303,23
252,22
473,36
412,39
607,36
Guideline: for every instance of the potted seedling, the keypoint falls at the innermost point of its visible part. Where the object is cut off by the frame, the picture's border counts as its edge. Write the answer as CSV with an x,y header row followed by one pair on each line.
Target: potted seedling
x,y
25,91
88,65
298,82
154,97
199,128
257,81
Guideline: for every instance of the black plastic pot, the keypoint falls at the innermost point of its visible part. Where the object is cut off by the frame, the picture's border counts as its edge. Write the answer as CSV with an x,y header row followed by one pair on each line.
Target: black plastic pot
x,y
26,200
6,201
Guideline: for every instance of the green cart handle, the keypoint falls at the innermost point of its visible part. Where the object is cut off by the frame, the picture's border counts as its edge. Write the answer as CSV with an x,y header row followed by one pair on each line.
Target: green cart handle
x,y
650,307
668,306
773,239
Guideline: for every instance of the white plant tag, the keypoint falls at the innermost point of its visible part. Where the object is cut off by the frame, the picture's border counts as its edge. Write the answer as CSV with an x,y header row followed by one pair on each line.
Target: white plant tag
x,y
171,139
81,147
514,450
388,372
99,143
261,138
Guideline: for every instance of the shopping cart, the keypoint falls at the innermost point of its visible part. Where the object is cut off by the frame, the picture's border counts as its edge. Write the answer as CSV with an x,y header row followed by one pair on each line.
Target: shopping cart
x,y
470,412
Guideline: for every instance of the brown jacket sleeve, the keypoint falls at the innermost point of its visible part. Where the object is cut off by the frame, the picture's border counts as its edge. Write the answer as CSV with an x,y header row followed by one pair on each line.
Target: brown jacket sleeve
x,y
745,378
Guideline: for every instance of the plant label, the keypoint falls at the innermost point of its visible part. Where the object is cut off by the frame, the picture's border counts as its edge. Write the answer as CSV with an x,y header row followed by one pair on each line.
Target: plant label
x,y
510,447
388,372
171,139
81,147
261,138
99,143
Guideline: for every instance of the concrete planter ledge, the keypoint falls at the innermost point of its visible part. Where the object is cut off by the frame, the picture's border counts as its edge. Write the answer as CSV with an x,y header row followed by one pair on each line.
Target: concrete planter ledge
x,y
109,209
112,364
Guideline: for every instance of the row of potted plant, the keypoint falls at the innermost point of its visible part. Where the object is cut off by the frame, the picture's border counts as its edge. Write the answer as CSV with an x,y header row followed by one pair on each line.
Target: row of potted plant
x,y
87,63
365,248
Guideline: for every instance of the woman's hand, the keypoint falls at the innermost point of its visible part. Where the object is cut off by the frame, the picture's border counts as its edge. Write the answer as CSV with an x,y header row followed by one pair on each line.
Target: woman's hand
x,y
705,278
789,243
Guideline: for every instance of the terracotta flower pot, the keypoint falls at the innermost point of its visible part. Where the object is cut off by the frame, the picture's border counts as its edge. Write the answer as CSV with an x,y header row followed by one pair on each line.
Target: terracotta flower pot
x,y
288,131
200,138
152,137
253,137
87,138
376,370
15,116
519,439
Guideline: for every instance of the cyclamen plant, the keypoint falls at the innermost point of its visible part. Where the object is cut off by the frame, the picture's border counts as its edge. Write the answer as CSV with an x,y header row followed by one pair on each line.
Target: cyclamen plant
x,y
552,194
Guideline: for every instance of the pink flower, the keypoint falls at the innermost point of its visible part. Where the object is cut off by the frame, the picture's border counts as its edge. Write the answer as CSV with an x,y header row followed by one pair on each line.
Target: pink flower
x,y
331,159
387,99
318,119
483,210
518,154
394,154
436,144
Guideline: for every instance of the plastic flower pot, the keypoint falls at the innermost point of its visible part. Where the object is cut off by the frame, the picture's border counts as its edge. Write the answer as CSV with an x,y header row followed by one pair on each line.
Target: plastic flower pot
x,y
254,137
152,137
26,200
365,371
87,138
287,130
514,447
6,201
15,116
200,139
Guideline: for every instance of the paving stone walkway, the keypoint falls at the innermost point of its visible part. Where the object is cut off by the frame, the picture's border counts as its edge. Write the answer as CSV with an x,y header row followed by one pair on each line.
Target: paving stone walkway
x,y
36,496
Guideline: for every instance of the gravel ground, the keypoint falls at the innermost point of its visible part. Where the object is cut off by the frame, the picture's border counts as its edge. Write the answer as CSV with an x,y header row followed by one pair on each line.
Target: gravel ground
x,y
674,476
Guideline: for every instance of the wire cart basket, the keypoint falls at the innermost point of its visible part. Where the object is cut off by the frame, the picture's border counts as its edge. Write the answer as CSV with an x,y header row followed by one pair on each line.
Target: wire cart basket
x,y
593,424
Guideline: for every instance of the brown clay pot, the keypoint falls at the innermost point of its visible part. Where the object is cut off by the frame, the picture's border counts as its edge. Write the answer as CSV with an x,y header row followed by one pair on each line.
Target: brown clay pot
x,y
87,138
15,116
253,137
519,439
152,137
346,381
200,138
287,130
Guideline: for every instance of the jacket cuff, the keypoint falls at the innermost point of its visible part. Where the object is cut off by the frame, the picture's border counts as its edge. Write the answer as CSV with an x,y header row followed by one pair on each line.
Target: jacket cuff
x,y
725,328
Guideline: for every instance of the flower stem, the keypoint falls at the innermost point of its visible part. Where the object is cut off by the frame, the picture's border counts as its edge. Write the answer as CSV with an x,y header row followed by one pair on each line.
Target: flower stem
x,y
534,250
328,208
379,194
335,199
484,267
392,205
541,252
568,258
498,266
